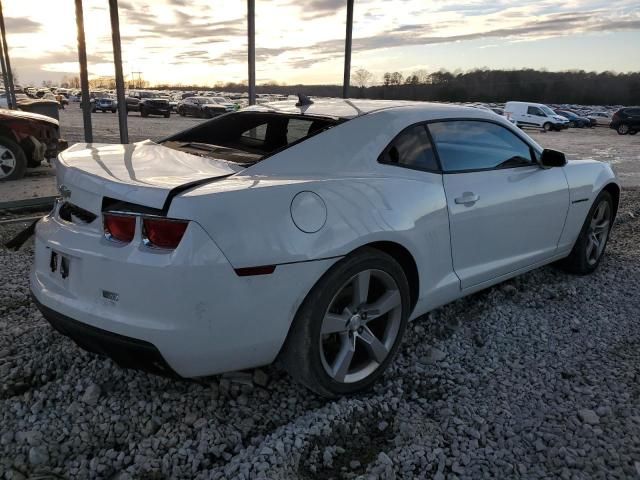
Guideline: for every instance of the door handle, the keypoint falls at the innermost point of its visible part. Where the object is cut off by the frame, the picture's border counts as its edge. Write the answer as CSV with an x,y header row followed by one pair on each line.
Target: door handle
x,y
467,198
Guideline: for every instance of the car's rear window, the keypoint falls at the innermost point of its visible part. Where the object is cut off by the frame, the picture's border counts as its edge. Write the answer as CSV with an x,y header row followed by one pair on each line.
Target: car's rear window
x,y
260,133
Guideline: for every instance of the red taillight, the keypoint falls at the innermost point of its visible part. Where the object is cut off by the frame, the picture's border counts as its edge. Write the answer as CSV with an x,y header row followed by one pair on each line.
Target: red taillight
x,y
119,227
163,232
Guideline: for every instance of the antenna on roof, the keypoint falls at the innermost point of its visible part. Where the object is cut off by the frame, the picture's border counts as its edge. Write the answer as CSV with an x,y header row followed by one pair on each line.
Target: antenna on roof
x,y
350,103
303,100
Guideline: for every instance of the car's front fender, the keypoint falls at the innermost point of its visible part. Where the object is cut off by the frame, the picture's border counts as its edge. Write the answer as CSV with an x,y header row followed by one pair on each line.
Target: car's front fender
x,y
586,179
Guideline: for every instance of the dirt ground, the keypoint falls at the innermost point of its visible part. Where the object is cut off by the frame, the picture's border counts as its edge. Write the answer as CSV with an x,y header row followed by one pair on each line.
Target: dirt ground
x,y
623,152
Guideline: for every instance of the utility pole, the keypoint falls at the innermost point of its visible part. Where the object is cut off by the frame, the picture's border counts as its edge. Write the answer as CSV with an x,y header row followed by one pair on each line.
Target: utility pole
x,y
84,76
347,50
5,79
251,32
117,61
7,64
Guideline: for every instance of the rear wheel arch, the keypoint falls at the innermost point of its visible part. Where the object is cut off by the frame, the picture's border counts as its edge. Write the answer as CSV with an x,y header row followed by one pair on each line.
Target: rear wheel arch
x,y
404,257
395,250
614,191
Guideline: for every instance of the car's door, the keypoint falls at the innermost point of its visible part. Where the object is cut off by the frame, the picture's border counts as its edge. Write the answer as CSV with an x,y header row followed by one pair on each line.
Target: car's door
x,y
535,116
505,211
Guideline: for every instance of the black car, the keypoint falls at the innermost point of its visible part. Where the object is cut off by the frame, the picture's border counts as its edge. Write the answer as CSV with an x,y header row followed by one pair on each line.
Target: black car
x,y
148,103
203,107
574,119
626,120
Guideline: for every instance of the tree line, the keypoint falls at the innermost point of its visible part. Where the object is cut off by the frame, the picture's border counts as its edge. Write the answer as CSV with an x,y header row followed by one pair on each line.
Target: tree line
x,y
579,87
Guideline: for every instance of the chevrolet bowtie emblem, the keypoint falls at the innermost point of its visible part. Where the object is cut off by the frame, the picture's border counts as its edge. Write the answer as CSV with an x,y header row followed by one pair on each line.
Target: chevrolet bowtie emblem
x,y
64,192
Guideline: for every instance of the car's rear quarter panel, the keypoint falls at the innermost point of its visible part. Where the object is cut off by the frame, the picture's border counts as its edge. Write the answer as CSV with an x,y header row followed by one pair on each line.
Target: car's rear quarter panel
x,y
249,216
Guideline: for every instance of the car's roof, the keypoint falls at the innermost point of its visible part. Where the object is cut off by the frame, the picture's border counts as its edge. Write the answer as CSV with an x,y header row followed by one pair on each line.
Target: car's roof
x,y
351,108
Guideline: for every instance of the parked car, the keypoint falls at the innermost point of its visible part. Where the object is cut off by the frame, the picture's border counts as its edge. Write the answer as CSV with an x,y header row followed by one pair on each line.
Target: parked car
x,y
62,100
54,98
105,104
25,140
148,103
535,115
626,120
575,121
308,232
502,113
202,107
600,118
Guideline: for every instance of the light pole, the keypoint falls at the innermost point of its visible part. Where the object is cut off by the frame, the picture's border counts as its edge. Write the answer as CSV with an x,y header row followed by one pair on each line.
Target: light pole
x,y
117,61
251,40
84,76
347,50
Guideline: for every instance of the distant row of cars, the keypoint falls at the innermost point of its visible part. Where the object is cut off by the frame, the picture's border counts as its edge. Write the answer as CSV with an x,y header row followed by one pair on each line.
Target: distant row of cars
x,y
152,103
625,120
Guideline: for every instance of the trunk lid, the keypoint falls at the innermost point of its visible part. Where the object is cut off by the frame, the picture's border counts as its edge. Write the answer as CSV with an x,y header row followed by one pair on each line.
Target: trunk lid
x,y
143,173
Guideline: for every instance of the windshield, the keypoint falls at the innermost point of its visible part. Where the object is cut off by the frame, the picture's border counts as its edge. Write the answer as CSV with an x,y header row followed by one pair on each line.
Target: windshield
x,y
221,100
547,110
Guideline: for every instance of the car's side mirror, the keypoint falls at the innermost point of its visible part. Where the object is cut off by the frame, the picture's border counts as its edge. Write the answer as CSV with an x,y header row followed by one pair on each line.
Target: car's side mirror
x,y
552,158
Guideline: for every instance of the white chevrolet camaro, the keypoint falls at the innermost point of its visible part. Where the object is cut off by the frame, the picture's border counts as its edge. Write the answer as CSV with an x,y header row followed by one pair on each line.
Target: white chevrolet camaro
x,y
305,232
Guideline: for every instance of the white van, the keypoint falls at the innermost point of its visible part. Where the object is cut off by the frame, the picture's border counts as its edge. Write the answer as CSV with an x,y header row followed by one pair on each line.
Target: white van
x,y
535,115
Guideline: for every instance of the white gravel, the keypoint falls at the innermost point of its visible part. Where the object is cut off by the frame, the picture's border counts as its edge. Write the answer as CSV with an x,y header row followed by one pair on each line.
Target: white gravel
x,y
536,378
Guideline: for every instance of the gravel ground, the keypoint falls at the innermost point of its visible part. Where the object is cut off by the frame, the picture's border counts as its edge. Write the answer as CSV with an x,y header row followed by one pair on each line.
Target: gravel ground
x,y
536,378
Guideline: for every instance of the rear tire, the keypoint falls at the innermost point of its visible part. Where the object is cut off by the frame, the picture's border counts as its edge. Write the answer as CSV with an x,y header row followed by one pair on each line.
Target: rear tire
x,y
349,327
633,132
547,127
623,129
143,112
13,161
590,246
167,115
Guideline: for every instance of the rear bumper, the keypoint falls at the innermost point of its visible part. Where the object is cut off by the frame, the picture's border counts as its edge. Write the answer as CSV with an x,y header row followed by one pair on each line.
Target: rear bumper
x,y
125,351
188,304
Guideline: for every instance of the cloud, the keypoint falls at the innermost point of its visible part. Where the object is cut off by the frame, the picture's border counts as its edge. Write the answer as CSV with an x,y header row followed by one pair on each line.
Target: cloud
x,y
21,25
313,9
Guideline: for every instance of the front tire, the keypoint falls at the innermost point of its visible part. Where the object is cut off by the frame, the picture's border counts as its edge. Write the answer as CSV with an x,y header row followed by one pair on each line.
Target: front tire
x,y
143,112
13,161
592,241
350,326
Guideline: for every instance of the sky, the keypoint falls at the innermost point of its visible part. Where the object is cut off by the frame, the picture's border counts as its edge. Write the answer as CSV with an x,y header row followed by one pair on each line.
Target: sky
x,y
204,42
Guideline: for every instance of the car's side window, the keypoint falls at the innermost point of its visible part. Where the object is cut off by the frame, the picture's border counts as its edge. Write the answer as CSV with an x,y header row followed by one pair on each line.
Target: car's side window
x,y
464,145
535,111
411,148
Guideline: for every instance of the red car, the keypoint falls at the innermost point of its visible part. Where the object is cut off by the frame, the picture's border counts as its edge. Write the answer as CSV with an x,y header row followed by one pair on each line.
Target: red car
x,y
25,140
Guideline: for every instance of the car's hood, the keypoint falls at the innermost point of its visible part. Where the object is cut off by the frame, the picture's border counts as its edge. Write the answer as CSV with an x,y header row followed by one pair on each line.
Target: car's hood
x,y
4,113
143,173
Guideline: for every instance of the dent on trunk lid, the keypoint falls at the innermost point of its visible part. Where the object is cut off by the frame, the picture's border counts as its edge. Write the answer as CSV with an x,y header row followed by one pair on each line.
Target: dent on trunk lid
x,y
144,173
